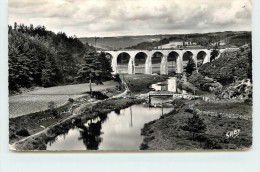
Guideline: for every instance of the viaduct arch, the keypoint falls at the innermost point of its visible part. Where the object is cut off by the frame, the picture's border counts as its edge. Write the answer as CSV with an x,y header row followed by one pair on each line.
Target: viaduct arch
x,y
156,61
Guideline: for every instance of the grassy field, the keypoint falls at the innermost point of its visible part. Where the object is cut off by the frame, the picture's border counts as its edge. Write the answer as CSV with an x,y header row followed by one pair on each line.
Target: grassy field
x,y
38,100
167,133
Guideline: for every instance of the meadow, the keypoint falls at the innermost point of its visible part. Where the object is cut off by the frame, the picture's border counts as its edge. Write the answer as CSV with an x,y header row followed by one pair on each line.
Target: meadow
x,y
37,100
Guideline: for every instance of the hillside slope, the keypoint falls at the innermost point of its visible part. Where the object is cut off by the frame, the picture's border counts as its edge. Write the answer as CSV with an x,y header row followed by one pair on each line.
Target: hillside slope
x,y
230,38
232,65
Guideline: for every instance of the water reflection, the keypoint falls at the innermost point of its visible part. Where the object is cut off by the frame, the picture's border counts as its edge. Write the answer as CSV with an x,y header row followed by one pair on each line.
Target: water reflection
x,y
91,135
112,131
131,116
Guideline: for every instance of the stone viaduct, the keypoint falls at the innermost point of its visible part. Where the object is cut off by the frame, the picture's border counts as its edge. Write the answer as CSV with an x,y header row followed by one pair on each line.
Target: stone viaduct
x,y
164,56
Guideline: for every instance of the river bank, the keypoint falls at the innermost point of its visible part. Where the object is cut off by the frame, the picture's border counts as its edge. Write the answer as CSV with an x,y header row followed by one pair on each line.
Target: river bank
x,y
228,126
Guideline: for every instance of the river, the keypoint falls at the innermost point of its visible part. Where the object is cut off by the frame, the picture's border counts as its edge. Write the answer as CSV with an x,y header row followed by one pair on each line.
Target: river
x,y
117,130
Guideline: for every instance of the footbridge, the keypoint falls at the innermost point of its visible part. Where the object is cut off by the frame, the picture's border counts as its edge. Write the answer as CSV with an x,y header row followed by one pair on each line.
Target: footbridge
x,y
159,94
161,61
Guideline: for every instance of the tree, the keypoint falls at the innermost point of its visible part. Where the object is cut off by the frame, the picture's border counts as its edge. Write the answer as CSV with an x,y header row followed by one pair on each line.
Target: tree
x,y
9,28
48,74
20,72
106,67
15,26
90,135
190,66
31,28
195,125
249,55
214,53
90,69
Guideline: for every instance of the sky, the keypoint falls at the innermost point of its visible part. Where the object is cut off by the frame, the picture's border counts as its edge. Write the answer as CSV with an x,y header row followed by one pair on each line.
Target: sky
x,y
89,18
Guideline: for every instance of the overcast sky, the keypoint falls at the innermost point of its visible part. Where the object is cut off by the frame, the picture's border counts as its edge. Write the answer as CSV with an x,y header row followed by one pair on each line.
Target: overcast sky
x,y
85,18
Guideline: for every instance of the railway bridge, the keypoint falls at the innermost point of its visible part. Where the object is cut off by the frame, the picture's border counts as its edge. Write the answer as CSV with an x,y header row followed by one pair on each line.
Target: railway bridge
x,y
161,61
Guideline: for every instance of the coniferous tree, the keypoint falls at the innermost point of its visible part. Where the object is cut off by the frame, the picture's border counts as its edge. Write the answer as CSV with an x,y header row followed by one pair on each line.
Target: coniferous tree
x,y
15,26
105,66
195,124
90,69
214,53
191,66
249,71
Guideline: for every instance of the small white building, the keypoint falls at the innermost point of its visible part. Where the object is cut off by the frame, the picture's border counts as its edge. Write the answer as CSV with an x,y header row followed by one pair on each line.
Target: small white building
x,y
172,84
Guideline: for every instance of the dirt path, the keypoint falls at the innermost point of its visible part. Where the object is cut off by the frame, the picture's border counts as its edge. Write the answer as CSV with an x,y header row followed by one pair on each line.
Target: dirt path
x,y
37,100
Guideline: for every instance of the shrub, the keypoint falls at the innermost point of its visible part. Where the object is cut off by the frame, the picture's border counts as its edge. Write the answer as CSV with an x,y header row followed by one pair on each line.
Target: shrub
x,y
52,106
23,132
201,138
194,125
117,78
117,111
212,144
69,79
71,100
144,146
188,110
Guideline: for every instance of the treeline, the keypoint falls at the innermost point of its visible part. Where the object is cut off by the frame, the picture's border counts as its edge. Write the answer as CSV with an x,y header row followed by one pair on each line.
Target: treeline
x,y
38,57
150,45
236,39
199,40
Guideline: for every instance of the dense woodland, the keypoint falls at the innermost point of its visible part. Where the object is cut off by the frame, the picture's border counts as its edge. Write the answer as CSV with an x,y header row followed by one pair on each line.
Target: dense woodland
x,y
39,57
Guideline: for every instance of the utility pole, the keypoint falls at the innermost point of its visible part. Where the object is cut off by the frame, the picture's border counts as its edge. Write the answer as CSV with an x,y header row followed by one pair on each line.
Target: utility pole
x,y
162,109
161,41
96,38
131,122
172,66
